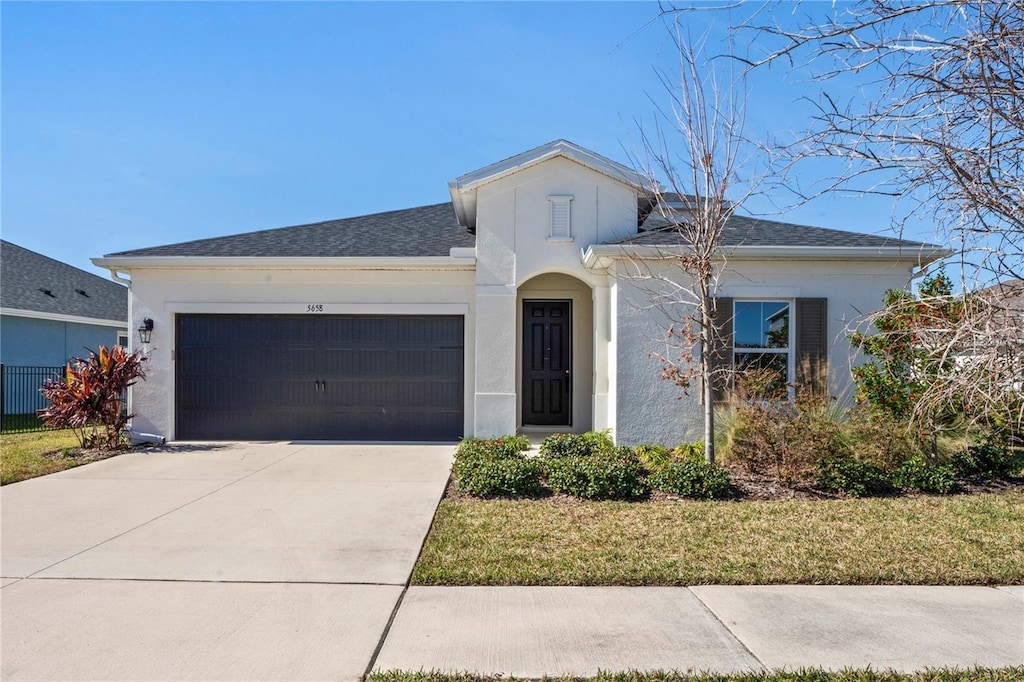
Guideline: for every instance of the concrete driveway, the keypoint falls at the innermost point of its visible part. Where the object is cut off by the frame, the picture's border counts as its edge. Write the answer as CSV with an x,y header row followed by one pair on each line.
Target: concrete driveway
x,y
224,561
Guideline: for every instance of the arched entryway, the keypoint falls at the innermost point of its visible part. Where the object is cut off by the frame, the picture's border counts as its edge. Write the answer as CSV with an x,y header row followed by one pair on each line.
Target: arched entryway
x,y
555,354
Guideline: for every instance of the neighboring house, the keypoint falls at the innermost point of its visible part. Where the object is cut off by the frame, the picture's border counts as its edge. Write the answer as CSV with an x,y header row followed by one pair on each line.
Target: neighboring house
x,y
51,311
516,306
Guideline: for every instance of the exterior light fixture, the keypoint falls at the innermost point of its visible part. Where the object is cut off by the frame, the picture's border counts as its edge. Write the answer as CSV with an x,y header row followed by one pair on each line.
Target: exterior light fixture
x,y
146,330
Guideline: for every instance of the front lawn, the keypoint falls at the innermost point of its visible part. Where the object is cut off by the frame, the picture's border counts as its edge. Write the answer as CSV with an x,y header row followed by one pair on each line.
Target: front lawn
x,y
948,540
27,455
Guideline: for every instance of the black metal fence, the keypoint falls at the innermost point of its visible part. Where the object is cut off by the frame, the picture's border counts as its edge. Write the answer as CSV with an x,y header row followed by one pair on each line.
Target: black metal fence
x,y
20,396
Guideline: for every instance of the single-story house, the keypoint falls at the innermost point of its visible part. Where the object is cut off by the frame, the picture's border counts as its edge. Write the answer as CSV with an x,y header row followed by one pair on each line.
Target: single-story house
x,y
516,306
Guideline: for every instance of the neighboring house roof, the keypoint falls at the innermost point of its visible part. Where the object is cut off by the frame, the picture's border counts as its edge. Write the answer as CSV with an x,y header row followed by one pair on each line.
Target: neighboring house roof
x,y
32,283
1010,292
745,231
413,232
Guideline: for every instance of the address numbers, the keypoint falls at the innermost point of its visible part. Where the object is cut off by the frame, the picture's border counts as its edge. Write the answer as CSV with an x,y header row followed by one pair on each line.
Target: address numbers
x,y
315,308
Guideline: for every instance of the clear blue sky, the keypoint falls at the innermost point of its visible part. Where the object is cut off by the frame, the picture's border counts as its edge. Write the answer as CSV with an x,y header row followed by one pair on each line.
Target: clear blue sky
x,y
132,124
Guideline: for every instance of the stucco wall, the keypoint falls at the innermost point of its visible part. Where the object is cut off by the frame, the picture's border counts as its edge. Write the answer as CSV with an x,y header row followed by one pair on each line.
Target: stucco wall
x,y
651,410
162,293
513,247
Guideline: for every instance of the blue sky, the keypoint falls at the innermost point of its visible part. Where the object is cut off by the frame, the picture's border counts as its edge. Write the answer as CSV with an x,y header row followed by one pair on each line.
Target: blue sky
x,y
132,124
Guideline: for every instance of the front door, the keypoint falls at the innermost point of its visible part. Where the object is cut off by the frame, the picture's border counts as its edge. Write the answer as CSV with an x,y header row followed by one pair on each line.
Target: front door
x,y
547,364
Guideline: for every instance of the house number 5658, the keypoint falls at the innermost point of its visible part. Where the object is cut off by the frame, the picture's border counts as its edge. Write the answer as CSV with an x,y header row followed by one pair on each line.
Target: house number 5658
x,y
315,308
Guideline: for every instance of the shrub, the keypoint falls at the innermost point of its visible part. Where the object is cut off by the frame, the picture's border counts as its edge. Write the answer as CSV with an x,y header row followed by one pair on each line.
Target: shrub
x,y
600,440
602,475
562,445
987,460
653,457
496,467
851,476
690,451
691,478
920,474
90,397
785,440
881,440
494,447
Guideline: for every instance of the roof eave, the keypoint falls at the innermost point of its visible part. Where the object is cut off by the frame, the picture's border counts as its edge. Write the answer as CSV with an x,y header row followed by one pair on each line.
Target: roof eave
x,y
128,263
601,256
62,317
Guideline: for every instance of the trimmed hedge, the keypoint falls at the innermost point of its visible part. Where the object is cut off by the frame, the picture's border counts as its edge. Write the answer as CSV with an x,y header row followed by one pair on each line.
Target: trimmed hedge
x,y
613,475
919,474
694,478
853,477
496,467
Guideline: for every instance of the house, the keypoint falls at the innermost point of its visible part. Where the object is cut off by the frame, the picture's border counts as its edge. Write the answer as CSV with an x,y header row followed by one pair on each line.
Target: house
x,y
51,311
516,306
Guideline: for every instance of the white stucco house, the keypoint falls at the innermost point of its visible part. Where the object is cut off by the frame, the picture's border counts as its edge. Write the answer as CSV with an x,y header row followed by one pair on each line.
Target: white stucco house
x,y
509,308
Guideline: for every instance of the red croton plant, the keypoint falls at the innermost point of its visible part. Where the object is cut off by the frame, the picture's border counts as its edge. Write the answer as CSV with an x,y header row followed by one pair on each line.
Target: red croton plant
x,y
89,399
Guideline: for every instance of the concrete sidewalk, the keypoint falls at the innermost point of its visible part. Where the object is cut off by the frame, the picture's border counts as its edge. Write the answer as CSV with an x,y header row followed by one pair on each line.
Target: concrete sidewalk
x,y
537,631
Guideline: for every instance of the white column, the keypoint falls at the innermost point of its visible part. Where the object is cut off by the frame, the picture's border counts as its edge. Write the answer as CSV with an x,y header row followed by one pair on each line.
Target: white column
x,y
603,358
495,395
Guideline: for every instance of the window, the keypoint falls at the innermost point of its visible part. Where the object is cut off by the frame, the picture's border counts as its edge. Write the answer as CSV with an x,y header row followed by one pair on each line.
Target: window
x,y
560,218
122,339
762,346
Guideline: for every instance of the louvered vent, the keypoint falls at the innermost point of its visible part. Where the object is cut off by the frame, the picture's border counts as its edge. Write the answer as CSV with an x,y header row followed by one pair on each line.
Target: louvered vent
x,y
561,218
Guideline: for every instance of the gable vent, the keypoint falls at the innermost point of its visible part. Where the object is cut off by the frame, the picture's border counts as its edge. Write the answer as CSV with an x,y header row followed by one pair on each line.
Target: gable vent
x,y
561,217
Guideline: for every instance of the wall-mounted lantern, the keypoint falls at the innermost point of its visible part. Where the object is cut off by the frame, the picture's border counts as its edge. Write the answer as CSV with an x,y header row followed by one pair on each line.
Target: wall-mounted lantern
x,y
146,331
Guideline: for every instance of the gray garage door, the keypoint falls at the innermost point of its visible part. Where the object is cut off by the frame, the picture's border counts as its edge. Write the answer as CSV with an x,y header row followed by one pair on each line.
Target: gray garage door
x,y
319,377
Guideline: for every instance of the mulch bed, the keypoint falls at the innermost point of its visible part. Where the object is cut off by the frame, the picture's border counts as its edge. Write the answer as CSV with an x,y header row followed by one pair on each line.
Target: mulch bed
x,y
84,456
753,487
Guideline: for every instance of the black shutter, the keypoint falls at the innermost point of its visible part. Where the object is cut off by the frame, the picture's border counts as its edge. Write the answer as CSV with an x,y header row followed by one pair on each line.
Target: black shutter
x,y
812,344
721,348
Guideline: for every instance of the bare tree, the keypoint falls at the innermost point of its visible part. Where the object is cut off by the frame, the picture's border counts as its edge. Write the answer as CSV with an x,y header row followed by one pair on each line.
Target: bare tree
x,y
693,157
941,126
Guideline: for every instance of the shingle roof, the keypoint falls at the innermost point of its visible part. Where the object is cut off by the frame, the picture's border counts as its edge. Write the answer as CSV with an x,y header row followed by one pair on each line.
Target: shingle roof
x,y
26,276
412,232
745,231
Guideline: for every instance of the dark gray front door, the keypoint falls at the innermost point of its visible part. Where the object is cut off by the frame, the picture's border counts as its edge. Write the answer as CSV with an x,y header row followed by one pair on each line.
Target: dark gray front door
x,y
319,377
547,364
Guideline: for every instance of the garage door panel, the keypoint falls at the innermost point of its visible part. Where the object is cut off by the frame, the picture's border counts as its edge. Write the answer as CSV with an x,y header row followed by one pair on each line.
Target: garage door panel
x,y
319,377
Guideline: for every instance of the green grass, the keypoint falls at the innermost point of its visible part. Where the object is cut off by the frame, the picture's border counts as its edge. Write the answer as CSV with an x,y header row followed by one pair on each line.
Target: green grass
x,y
805,675
21,454
955,540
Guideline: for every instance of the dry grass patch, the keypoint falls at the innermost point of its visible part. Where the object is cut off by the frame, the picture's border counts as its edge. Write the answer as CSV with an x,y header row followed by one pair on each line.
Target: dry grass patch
x,y
960,540
27,455
804,675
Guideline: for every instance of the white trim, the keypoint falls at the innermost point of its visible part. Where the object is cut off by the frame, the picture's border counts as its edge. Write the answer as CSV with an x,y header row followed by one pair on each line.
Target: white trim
x,y
278,308
602,256
531,157
270,263
766,292
57,317
463,188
